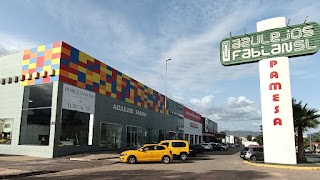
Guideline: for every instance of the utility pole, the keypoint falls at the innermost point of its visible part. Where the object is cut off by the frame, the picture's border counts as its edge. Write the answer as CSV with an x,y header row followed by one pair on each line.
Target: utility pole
x,y
310,143
165,99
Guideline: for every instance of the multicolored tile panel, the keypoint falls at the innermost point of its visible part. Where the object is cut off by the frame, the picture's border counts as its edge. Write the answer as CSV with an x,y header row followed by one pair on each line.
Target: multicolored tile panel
x,y
79,69
42,58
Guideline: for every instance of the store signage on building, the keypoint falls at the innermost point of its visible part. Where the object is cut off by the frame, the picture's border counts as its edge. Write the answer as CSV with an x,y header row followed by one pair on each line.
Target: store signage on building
x,y
124,109
77,99
176,114
194,125
289,41
189,114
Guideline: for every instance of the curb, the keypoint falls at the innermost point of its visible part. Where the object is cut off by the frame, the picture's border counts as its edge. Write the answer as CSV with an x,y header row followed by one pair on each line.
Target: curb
x,y
25,174
92,159
282,166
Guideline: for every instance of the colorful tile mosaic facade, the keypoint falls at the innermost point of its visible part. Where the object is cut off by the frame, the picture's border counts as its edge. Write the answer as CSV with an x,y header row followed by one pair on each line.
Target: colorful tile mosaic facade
x,y
79,69
42,58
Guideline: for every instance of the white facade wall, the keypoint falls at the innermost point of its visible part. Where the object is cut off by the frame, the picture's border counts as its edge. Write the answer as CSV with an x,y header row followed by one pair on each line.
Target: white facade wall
x,y
11,99
188,129
230,139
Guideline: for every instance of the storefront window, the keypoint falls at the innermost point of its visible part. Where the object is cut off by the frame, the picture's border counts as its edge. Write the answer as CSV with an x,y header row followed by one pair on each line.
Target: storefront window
x,y
150,136
36,115
74,128
191,139
161,135
186,137
5,130
110,135
196,139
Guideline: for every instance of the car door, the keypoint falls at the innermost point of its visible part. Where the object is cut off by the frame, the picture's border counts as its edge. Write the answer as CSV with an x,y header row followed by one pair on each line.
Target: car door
x,y
158,153
146,154
260,154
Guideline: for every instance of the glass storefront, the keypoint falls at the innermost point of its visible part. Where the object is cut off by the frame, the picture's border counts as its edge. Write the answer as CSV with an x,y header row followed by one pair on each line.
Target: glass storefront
x,y
74,128
186,137
191,139
36,115
110,135
161,135
6,130
134,136
196,139
151,136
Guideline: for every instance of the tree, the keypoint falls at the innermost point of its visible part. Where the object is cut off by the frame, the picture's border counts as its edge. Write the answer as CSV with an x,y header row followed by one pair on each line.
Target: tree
x,y
249,137
259,139
316,137
304,118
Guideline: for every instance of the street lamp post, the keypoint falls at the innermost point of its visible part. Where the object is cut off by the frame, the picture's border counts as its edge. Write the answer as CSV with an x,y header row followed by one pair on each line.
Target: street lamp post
x,y
165,97
310,143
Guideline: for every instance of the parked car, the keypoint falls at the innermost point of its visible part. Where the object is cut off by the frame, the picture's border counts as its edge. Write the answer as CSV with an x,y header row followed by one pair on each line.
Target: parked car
x,y
307,150
253,153
179,148
207,146
231,145
196,149
147,153
192,151
218,146
199,149
225,145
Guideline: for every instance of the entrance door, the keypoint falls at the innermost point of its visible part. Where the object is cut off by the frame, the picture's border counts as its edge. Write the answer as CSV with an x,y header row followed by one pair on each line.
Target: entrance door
x,y
134,136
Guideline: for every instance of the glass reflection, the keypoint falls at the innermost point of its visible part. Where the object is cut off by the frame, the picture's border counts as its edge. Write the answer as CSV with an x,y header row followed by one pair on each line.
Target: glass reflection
x,y
36,115
74,128
5,131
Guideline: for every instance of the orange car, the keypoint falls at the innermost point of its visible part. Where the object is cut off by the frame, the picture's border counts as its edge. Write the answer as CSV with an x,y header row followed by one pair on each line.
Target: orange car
x,y
147,153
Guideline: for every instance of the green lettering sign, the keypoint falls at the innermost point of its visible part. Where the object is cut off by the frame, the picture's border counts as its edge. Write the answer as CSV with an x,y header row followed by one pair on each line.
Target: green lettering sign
x,y
290,41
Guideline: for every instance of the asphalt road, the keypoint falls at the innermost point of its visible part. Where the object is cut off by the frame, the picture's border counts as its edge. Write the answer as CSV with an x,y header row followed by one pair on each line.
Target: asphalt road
x,y
211,165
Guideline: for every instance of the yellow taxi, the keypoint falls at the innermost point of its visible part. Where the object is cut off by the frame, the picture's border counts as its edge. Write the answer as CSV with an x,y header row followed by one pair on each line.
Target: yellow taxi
x,y
147,153
179,148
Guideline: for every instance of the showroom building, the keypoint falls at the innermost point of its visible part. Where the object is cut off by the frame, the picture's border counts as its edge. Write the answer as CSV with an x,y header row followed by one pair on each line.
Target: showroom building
x,y
57,100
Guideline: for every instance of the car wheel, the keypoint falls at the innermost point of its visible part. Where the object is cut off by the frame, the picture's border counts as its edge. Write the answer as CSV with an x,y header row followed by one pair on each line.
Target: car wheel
x,y
221,149
183,156
132,159
166,159
253,158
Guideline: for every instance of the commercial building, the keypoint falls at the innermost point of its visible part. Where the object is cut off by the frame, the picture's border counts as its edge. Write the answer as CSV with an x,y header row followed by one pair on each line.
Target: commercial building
x,y
192,126
57,100
210,130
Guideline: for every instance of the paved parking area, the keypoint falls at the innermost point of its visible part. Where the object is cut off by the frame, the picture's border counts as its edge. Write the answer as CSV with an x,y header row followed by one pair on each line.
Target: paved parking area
x,y
211,165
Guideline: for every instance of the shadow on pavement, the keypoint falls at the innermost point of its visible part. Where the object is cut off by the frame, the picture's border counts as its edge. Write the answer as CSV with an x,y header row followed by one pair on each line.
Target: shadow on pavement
x,y
231,151
160,174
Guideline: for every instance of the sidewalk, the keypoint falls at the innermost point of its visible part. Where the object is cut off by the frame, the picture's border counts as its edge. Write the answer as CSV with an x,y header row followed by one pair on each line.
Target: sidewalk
x,y
311,166
94,157
23,166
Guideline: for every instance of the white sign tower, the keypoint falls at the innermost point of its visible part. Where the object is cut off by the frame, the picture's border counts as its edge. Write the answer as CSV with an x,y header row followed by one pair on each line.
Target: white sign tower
x,y
276,104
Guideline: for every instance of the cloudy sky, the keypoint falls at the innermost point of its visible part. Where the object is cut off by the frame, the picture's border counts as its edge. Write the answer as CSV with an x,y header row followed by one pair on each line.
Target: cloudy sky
x,y
136,36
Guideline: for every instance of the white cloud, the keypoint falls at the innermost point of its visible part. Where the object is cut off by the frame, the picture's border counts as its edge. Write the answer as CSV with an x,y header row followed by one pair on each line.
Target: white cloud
x,y
238,113
179,99
10,43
